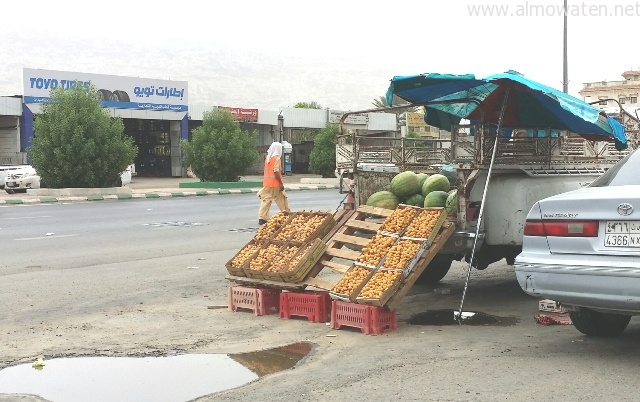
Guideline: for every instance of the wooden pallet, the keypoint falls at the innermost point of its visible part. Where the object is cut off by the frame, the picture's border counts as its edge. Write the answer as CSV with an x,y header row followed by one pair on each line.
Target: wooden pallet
x,y
365,218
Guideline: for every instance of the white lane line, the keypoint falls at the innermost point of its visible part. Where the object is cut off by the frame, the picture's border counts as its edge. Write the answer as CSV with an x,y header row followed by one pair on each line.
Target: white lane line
x,y
46,237
28,217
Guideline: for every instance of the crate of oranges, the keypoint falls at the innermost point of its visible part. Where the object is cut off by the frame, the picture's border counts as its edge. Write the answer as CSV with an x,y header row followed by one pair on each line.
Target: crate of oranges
x,y
273,225
305,226
272,271
269,251
297,268
426,224
380,287
349,286
404,254
376,249
235,265
400,218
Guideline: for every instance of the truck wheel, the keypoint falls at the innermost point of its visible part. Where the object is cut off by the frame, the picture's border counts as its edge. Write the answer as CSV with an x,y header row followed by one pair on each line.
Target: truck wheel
x,y
436,270
594,323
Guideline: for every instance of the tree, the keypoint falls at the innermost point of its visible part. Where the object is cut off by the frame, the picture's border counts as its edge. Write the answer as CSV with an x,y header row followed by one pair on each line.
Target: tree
x,y
307,105
381,102
219,150
322,159
77,143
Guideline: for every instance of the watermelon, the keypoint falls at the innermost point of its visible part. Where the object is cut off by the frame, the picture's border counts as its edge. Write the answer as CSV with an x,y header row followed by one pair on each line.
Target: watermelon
x,y
436,199
451,205
417,200
405,184
383,199
421,178
436,182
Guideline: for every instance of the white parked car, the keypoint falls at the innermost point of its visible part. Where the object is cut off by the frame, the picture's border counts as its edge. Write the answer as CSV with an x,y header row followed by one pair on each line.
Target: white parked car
x,y
5,169
582,249
26,177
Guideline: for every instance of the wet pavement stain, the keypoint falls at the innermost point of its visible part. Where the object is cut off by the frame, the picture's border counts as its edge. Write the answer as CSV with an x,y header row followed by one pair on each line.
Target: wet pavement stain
x,y
160,378
450,317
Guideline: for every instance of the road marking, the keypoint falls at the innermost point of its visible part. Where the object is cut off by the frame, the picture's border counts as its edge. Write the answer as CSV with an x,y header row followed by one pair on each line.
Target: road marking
x,y
29,217
46,237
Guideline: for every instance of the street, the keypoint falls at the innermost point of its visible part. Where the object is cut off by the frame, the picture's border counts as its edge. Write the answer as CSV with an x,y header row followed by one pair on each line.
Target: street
x,y
134,278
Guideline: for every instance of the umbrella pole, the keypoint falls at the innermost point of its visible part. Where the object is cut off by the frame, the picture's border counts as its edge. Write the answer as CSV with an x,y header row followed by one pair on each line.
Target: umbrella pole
x,y
484,196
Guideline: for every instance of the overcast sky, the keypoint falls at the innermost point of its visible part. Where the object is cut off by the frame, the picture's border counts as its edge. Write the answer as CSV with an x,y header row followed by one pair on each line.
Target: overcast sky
x,y
271,54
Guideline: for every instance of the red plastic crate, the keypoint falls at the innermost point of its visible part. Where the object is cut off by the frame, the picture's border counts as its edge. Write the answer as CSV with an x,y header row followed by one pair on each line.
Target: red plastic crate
x,y
371,320
314,305
382,320
261,301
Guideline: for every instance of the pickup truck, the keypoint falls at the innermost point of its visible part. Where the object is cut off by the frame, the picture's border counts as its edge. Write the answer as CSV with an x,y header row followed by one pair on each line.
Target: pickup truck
x,y
529,166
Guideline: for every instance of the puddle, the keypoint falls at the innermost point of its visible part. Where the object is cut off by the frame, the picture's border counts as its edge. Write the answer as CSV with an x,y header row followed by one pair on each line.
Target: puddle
x,y
166,378
450,317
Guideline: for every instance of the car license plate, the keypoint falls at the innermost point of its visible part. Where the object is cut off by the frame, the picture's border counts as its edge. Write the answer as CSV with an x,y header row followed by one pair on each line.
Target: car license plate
x,y
622,234
11,184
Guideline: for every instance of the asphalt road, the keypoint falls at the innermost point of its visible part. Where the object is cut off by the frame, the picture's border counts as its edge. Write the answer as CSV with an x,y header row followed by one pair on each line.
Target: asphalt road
x,y
134,278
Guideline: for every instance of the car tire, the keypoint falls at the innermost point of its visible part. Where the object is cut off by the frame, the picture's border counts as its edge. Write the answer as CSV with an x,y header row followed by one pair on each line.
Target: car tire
x,y
105,95
9,191
594,323
121,96
436,270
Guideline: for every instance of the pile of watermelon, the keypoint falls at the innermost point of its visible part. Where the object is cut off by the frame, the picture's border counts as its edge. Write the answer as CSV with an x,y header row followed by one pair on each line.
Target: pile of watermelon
x,y
420,190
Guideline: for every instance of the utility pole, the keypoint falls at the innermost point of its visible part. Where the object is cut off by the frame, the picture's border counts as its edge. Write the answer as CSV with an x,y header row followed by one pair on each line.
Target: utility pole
x,y
565,71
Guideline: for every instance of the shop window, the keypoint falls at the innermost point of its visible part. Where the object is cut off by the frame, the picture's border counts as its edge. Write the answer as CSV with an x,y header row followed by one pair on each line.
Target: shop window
x,y
603,102
621,100
633,99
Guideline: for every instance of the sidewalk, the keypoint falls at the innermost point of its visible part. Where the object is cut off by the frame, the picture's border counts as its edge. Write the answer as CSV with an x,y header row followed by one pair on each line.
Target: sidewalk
x,y
165,187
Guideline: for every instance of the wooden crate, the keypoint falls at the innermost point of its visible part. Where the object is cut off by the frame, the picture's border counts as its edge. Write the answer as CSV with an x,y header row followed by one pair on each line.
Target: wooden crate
x,y
386,295
264,233
436,229
401,230
308,259
235,269
259,273
287,231
277,273
351,296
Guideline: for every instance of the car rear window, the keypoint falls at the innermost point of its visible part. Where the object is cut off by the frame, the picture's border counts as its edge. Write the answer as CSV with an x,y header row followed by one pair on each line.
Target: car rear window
x,y
623,173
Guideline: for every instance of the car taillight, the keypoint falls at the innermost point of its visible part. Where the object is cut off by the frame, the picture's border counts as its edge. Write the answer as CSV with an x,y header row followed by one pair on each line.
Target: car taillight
x,y
561,228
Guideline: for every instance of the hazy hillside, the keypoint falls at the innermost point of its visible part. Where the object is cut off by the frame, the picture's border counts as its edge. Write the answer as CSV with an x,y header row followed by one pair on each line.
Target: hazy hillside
x,y
216,76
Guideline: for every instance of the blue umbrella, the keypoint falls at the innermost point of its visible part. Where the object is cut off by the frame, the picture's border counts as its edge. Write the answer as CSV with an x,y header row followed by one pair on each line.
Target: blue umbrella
x,y
508,100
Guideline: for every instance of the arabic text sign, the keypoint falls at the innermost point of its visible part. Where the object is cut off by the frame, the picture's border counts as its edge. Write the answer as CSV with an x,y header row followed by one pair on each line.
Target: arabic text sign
x,y
415,120
359,119
240,114
114,91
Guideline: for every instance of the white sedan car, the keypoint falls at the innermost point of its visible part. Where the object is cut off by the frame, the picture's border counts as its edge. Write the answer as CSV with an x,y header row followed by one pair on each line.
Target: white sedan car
x,y
582,249
26,177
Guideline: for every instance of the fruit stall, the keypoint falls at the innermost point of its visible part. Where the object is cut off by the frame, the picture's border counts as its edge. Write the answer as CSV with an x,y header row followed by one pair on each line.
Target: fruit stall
x,y
379,252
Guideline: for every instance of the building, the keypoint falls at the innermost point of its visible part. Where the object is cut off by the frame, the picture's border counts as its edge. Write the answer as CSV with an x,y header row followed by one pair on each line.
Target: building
x,y
607,94
157,115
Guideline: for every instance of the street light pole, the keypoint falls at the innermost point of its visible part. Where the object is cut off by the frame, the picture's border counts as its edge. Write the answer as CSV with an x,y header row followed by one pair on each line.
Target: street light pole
x,y
565,69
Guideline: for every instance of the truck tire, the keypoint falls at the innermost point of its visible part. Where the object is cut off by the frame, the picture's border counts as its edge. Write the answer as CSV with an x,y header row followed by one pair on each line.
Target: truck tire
x,y
594,323
436,270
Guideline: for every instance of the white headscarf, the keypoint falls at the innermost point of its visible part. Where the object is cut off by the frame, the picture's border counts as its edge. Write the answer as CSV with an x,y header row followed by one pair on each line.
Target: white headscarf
x,y
274,149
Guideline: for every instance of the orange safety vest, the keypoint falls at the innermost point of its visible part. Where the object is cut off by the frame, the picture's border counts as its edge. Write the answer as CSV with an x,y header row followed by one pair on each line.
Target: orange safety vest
x,y
269,179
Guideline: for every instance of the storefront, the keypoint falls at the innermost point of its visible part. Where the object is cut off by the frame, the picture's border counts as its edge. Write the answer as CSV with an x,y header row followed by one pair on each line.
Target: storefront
x,y
154,113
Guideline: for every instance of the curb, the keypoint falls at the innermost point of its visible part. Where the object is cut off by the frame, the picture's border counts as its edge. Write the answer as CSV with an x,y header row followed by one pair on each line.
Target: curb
x,y
152,195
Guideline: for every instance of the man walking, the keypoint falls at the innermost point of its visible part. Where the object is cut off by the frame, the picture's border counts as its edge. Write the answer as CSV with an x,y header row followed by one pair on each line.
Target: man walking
x,y
273,184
